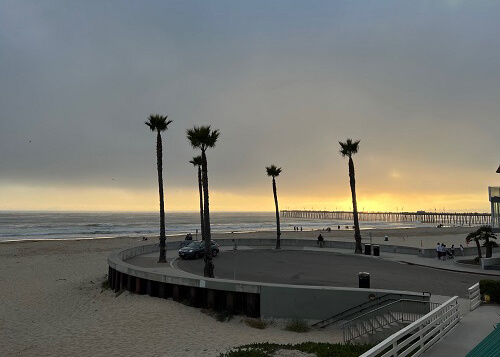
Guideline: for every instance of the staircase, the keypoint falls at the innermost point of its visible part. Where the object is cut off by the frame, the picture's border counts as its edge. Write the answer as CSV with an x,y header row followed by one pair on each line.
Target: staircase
x,y
382,322
361,309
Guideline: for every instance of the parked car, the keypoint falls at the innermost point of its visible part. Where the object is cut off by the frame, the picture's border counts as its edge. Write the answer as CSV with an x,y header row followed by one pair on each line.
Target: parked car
x,y
196,249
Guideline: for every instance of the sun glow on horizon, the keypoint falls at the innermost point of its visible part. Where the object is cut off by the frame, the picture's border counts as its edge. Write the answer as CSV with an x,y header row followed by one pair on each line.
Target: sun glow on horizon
x,y
17,197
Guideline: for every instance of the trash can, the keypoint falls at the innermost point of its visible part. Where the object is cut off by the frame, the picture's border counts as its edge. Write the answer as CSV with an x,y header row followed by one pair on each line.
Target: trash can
x,y
368,249
364,280
376,250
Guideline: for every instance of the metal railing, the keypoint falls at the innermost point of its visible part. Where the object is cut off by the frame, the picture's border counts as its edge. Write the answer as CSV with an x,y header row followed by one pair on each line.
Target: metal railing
x,y
416,338
474,296
398,311
358,309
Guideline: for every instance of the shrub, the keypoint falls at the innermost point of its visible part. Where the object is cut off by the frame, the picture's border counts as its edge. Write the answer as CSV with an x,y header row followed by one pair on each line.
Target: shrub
x,y
222,316
297,326
105,284
256,323
492,288
319,349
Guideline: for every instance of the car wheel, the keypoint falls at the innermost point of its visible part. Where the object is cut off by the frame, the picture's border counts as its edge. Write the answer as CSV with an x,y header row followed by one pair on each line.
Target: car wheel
x,y
214,253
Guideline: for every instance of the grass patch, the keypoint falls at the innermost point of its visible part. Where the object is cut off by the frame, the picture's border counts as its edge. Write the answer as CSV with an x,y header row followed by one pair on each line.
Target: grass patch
x,y
297,326
105,284
320,349
222,316
256,323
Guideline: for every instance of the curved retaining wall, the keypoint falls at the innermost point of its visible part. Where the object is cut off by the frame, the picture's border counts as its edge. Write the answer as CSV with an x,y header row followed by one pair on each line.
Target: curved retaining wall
x,y
240,297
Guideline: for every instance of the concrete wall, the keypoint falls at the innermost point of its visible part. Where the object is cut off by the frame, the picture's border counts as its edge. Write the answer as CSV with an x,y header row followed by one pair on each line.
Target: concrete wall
x,y
318,303
486,263
275,300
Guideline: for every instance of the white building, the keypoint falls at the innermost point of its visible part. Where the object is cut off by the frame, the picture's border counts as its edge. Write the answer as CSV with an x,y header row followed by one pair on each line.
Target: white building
x,y
494,193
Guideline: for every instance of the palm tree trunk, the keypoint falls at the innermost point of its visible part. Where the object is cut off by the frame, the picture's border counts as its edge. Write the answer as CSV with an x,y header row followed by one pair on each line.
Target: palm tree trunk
x,y
209,267
357,233
478,245
489,249
159,162
278,231
200,188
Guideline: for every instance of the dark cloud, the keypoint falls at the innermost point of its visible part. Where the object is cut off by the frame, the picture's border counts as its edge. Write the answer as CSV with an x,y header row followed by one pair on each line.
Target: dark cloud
x,y
417,82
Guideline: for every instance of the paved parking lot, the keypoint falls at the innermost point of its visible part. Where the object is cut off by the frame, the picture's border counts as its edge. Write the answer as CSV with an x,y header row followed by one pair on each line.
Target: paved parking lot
x,y
324,268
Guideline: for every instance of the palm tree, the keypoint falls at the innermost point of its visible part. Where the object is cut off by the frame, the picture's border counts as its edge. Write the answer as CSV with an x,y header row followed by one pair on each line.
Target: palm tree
x,y
159,123
482,233
197,162
274,172
348,149
203,137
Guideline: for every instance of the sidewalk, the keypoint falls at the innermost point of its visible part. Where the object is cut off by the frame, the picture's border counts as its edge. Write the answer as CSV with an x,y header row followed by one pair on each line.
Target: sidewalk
x,y
471,330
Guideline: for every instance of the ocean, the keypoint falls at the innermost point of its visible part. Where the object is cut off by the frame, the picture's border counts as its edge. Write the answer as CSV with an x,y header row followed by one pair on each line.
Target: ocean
x,y
16,226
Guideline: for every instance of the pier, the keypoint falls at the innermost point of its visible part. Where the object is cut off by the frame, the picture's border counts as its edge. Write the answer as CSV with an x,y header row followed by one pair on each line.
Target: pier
x,y
458,219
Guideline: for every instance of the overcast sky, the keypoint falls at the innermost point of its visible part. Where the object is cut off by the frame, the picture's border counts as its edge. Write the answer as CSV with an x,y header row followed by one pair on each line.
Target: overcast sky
x,y
418,82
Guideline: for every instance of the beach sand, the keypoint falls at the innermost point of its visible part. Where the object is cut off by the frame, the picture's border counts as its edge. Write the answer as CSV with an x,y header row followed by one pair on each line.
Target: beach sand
x,y
52,303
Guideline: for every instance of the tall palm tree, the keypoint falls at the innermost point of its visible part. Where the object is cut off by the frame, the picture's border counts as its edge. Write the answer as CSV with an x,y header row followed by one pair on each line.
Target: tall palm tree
x,y
197,162
202,137
274,172
349,148
159,123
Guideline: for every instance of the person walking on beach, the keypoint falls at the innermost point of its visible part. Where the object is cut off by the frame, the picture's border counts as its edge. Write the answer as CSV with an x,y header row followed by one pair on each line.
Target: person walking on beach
x,y
320,240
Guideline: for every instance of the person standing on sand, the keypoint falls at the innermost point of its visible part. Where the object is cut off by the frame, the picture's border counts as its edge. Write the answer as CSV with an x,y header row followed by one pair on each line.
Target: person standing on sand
x,y
462,249
438,250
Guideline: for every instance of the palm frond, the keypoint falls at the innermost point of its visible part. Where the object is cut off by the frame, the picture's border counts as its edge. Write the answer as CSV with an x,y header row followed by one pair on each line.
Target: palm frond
x,y
349,148
273,170
202,137
157,122
196,161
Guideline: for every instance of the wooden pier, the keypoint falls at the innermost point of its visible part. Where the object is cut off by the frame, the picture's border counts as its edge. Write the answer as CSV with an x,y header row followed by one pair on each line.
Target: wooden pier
x,y
458,219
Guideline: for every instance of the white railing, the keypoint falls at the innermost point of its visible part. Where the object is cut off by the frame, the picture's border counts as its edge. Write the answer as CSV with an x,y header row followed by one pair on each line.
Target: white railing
x,y
403,311
416,338
474,296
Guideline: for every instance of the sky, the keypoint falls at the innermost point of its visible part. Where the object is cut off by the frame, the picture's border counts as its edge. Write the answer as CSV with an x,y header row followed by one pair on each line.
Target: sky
x,y
417,82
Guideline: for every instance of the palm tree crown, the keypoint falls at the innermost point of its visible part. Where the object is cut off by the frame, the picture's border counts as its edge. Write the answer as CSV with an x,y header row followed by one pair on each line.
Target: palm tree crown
x,y
196,161
349,148
201,137
157,122
273,171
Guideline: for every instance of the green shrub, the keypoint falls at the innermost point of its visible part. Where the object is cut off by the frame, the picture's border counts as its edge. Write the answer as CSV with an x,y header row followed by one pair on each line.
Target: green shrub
x,y
256,323
105,284
222,316
297,326
320,349
492,288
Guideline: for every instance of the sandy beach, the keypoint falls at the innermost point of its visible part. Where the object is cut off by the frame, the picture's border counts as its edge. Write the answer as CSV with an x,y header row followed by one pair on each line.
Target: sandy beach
x,y
52,303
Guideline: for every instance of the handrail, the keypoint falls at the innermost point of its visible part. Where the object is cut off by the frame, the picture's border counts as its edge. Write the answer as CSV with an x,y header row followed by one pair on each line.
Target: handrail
x,y
359,308
369,303
400,310
474,296
383,307
422,333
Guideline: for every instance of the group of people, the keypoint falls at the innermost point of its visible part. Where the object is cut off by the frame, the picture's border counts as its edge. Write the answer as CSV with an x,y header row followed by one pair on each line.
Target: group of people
x,y
297,229
447,253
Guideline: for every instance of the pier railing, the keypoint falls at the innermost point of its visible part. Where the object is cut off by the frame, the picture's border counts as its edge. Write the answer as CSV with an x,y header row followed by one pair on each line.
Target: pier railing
x,y
473,219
